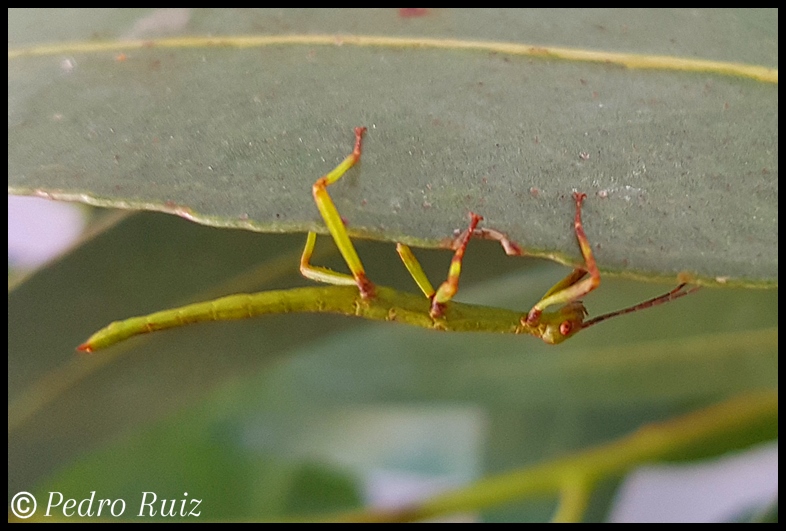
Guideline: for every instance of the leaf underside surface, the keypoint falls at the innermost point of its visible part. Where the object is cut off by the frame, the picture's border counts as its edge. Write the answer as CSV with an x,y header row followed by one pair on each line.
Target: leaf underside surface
x,y
681,167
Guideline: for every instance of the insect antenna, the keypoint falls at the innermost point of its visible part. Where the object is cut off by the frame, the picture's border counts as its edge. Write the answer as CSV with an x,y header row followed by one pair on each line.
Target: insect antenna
x,y
676,293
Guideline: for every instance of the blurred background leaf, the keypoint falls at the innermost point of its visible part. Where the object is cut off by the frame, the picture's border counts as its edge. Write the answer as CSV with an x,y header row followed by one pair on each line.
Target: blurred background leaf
x,y
307,414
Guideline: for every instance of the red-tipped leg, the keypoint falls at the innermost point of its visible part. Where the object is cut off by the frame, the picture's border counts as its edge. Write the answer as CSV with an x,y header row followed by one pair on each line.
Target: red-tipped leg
x,y
555,327
337,229
449,288
572,287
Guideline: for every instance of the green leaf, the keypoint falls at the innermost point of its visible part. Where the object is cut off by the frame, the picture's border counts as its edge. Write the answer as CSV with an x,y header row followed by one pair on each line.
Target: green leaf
x,y
230,131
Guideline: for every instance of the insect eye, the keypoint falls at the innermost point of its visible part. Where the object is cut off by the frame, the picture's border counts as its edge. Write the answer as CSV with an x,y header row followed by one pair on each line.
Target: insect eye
x,y
565,327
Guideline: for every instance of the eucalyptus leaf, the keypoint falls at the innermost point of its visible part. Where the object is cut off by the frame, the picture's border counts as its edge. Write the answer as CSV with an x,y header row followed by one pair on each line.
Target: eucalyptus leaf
x,y
681,166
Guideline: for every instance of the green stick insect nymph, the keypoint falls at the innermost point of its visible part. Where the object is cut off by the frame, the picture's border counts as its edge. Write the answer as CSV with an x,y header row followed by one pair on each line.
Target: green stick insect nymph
x,y
355,295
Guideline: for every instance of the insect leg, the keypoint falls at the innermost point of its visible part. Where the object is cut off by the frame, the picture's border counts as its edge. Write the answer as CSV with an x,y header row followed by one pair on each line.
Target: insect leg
x,y
337,229
572,287
448,289
415,269
321,274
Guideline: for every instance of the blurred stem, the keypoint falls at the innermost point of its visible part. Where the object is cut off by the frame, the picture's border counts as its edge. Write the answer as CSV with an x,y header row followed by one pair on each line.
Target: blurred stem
x,y
735,423
574,499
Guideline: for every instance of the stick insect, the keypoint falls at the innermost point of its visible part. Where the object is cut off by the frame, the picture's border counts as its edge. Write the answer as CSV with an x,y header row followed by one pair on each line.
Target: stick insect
x,y
355,295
